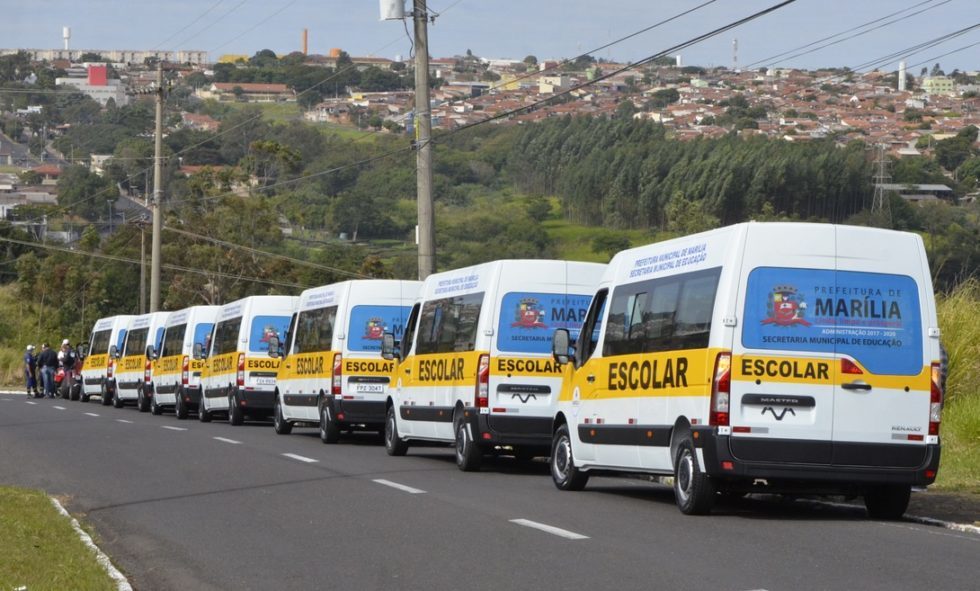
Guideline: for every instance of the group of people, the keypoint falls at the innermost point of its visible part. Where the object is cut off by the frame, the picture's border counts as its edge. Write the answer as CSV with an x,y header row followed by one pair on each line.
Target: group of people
x,y
47,362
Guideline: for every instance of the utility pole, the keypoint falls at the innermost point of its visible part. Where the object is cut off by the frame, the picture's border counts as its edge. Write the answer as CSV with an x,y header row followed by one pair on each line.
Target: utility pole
x,y
157,197
423,143
142,226
880,207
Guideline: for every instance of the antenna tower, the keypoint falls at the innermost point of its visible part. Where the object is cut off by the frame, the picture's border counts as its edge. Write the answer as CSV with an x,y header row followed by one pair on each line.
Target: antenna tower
x,y
735,54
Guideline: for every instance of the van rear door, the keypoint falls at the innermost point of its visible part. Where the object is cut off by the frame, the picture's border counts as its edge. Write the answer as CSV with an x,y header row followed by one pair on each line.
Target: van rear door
x,y
883,381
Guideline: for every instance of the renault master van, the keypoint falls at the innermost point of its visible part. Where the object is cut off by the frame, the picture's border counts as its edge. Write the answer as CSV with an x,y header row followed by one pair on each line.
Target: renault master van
x,y
476,368
333,374
175,374
769,357
132,366
239,376
108,334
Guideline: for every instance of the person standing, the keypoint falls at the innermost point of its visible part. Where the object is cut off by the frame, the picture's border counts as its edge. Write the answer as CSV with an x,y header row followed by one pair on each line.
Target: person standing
x,y
48,362
30,371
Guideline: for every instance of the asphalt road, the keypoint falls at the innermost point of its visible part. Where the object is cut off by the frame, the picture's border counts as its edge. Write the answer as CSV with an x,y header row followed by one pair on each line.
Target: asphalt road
x,y
211,506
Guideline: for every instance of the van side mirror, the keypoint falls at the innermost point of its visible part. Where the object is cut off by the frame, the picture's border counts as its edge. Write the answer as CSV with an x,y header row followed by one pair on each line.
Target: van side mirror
x,y
561,344
388,351
151,352
82,350
114,352
198,351
274,347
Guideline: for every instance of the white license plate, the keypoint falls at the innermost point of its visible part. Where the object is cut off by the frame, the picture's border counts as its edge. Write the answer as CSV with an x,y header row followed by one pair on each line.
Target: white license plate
x,y
265,381
369,388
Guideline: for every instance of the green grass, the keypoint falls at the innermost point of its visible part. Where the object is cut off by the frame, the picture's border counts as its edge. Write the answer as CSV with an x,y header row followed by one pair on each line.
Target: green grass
x,y
11,169
573,241
960,432
40,548
275,112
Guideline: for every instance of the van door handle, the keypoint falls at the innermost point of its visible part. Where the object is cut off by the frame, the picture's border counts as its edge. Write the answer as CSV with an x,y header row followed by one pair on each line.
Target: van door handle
x,y
590,378
857,386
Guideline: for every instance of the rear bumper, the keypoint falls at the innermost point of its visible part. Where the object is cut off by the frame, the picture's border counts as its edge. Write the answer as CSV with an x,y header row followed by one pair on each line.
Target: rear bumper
x,y
358,412
498,429
853,465
255,401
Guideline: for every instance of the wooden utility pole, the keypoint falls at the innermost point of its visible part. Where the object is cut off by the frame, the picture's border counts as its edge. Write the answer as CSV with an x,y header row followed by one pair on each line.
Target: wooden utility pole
x,y
423,144
156,202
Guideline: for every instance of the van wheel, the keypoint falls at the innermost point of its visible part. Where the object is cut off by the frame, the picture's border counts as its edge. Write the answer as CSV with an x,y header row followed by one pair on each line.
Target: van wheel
x,y
887,501
235,414
180,407
203,414
76,392
84,397
280,424
106,399
469,456
141,401
562,463
394,445
329,429
117,402
155,409
694,491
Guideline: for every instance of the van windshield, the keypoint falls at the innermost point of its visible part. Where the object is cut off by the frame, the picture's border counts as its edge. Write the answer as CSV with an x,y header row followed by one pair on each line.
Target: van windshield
x,y
369,323
527,319
264,327
100,342
201,333
871,317
136,343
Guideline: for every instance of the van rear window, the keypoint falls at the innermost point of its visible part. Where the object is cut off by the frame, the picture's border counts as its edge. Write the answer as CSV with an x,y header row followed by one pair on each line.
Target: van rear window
x,y
527,320
872,317
264,327
369,323
100,342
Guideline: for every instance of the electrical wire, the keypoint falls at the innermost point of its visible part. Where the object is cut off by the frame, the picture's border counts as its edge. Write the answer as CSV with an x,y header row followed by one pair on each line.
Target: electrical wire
x,y
189,25
255,26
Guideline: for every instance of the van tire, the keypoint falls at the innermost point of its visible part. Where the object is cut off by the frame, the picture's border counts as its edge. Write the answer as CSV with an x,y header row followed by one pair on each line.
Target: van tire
x,y
180,407
106,399
694,492
117,402
469,456
155,409
329,429
235,415
142,403
279,423
203,414
561,464
394,445
888,501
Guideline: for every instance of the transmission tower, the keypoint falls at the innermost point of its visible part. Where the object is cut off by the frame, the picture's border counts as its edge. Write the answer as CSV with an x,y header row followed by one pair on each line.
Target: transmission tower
x,y
880,208
735,55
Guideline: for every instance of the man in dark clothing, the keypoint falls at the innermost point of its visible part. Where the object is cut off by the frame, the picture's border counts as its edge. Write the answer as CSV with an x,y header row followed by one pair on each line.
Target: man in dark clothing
x,y
48,362
30,371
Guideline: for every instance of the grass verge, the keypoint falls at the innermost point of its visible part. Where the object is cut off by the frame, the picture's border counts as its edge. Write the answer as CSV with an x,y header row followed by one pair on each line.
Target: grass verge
x,y
40,548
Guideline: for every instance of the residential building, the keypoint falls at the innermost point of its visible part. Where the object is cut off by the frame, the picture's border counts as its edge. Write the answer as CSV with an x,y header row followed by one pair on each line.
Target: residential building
x,y
938,85
98,86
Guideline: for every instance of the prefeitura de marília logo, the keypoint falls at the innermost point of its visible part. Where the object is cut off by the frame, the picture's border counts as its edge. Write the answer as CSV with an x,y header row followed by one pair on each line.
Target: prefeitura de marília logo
x,y
786,307
374,329
529,314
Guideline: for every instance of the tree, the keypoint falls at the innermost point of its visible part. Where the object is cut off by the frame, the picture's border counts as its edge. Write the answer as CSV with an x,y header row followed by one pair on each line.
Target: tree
x,y
663,97
530,60
83,193
90,56
239,93
609,243
936,70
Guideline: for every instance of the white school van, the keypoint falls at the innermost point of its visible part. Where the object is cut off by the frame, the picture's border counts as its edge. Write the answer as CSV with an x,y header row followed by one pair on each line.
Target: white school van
x,y
239,377
333,374
476,367
97,378
770,357
175,374
132,366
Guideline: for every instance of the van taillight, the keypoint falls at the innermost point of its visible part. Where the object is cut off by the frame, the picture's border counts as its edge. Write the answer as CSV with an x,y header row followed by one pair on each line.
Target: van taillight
x,y
483,382
147,370
721,387
241,369
337,375
935,400
109,367
849,367
185,367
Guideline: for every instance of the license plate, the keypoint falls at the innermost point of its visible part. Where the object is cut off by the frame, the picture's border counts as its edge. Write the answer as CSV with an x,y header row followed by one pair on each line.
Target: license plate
x,y
265,381
369,388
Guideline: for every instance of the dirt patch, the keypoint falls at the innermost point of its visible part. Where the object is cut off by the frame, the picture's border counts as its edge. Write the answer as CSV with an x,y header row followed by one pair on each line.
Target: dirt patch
x,y
956,507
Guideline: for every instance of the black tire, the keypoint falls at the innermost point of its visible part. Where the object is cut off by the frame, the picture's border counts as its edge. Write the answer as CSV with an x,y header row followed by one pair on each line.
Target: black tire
x,y
236,416
394,445
562,464
694,492
469,456
76,392
280,424
203,414
117,402
887,501
64,390
329,429
106,399
180,407
83,396
142,402
155,409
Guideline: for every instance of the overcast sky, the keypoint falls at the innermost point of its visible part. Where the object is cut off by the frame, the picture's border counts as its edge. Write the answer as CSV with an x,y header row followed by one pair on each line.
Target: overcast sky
x,y
506,28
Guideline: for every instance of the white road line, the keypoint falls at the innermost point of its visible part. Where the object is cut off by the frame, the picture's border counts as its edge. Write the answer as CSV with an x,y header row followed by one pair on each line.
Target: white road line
x,y
173,428
401,487
301,458
125,421
226,440
30,402
121,583
60,407
91,414
564,533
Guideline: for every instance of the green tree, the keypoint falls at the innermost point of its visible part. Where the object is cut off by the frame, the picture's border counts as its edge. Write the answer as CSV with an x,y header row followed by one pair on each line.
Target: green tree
x,y
83,193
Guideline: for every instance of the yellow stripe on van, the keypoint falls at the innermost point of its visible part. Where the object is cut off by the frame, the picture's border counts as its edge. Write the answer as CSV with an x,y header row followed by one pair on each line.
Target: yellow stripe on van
x,y
643,375
220,365
819,371
306,365
545,367
131,363
368,367
446,369
262,364
93,362
166,366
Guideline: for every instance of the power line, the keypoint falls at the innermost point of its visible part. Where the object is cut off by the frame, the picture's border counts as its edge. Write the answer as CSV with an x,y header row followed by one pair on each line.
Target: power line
x,y
212,23
255,26
190,24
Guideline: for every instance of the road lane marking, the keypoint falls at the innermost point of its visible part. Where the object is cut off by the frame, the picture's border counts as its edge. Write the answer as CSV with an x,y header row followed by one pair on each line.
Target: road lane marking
x,y
122,584
226,440
401,487
91,414
173,428
125,421
30,402
557,531
60,407
301,458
